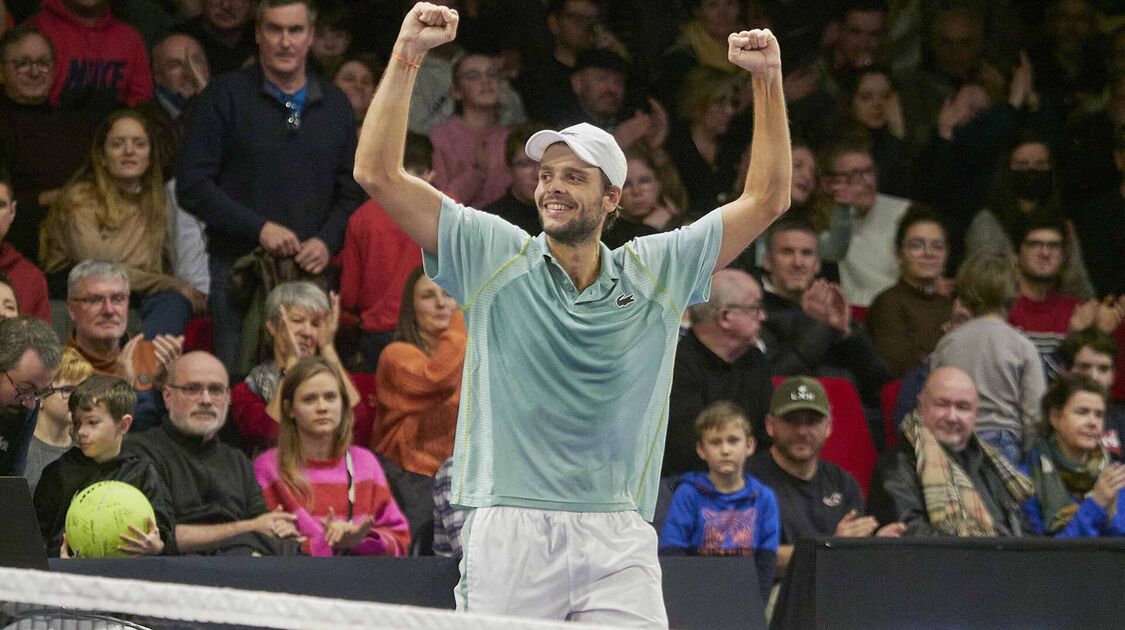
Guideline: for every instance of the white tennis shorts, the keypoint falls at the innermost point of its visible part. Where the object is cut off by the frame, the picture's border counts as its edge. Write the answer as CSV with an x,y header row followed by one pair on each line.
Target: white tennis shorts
x,y
596,567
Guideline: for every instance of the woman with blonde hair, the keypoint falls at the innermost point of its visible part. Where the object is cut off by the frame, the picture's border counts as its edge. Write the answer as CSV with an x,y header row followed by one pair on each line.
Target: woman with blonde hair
x,y
337,491
115,210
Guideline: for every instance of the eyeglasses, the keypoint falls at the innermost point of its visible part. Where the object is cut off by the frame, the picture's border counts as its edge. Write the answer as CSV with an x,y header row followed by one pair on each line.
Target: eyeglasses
x,y
27,392
917,246
855,175
24,64
116,299
195,390
1051,246
64,391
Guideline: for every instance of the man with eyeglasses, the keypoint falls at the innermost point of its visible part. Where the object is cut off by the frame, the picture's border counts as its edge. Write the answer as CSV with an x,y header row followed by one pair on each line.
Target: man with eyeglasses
x,y
862,236
720,358
29,355
1043,313
267,162
98,303
218,504
29,125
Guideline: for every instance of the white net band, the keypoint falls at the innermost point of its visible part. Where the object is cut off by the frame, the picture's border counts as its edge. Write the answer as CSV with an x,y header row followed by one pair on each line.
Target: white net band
x,y
206,604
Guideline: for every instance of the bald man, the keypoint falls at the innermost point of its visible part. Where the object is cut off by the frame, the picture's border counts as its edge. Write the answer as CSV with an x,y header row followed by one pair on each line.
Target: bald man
x,y
940,479
218,504
720,358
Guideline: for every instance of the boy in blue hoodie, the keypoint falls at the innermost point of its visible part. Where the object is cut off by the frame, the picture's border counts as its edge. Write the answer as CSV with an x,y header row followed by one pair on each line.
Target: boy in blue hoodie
x,y
724,512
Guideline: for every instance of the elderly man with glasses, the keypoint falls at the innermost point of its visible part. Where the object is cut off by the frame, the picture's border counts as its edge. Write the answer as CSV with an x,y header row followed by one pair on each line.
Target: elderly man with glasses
x,y
218,505
720,358
29,356
98,302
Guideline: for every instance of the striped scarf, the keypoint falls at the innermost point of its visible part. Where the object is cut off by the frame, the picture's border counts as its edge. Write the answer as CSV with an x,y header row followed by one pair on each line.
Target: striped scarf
x,y
953,504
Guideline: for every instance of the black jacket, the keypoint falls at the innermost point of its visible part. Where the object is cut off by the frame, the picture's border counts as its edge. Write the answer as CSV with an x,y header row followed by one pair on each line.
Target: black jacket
x,y
699,378
243,163
896,492
797,344
73,471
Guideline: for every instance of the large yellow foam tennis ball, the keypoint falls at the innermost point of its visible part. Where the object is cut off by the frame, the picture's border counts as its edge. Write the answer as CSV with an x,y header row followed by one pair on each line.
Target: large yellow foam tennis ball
x,y
100,513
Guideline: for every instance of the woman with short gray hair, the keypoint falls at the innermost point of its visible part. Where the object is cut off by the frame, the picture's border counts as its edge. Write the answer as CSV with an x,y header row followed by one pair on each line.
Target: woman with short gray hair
x,y
301,321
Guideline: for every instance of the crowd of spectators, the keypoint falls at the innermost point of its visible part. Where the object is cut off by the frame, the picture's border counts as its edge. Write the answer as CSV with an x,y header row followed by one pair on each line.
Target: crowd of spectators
x,y
184,171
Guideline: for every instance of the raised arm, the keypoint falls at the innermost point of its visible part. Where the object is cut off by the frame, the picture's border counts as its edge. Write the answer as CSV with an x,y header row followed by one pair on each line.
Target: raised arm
x,y
411,202
765,196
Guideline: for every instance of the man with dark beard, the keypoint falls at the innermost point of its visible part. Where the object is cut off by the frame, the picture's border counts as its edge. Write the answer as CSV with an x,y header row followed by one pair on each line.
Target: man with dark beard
x,y
567,373
817,498
218,504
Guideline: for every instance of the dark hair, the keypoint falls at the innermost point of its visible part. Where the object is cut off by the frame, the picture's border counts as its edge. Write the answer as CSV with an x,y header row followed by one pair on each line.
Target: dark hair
x,y
987,283
264,5
852,140
1003,201
718,415
915,213
20,33
1057,395
418,153
337,18
555,6
517,138
1040,220
111,392
371,61
20,334
407,327
1093,338
795,224
1119,134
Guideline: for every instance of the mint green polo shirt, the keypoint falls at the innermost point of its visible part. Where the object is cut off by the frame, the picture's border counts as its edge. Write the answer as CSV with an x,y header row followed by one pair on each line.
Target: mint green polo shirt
x,y
564,396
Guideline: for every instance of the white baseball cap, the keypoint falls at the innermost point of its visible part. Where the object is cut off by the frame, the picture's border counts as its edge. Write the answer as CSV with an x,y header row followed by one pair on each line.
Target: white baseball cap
x,y
591,144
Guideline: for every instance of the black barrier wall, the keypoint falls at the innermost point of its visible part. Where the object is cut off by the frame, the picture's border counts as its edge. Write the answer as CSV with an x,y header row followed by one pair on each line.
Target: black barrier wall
x,y
699,593
954,583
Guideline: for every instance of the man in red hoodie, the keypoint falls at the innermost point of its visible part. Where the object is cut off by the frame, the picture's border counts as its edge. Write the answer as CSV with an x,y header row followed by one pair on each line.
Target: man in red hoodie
x,y
28,282
99,60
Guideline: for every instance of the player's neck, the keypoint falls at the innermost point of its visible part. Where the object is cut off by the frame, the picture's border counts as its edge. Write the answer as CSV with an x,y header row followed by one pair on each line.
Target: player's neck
x,y
801,470
727,483
581,261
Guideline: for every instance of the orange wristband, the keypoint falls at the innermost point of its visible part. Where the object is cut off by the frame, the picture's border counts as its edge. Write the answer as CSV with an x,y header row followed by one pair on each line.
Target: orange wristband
x,y
406,61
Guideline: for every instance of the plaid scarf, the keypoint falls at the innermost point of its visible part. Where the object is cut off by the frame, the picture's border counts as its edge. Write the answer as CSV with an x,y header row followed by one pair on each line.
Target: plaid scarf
x,y
953,504
1062,483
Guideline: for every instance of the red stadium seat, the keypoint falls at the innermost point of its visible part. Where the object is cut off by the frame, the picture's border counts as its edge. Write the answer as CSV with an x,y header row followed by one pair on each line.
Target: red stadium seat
x,y
887,397
850,445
